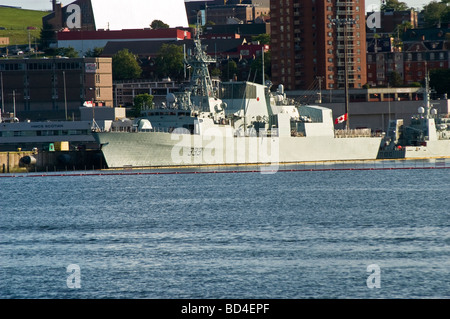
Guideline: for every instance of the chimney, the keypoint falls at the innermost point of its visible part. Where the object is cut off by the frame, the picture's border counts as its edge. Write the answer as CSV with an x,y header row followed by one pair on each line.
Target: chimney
x,y
53,5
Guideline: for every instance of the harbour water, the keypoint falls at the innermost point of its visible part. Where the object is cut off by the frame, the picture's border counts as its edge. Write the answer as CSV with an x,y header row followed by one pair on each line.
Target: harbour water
x,y
309,232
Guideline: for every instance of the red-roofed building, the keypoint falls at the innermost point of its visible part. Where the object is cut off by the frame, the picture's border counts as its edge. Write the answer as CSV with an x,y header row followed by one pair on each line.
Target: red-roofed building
x,y
83,41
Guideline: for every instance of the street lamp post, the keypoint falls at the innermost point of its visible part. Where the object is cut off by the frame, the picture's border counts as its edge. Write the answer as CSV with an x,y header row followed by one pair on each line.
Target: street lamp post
x,y
320,79
344,22
65,93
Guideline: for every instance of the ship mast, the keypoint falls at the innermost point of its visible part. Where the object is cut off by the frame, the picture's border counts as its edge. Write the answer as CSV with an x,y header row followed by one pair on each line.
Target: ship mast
x,y
201,83
426,96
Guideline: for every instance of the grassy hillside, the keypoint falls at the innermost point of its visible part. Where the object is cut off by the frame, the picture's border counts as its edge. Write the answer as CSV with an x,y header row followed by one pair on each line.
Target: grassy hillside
x,y
15,21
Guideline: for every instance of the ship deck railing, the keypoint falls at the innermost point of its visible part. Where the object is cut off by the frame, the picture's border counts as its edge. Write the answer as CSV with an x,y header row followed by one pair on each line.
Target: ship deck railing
x,y
134,129
367,132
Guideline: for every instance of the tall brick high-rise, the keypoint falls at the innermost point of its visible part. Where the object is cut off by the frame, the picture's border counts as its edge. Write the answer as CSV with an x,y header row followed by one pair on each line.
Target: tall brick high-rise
x,y
308,47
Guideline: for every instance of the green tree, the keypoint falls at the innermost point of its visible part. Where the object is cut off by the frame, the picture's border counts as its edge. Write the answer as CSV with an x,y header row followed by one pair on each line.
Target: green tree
x,y
47,36
436,12
125,66
65,52
229,70
395,80
395,5
158,24
256,65
400,29
94,53
142,102
68,52
169,61
262,38
215,72
440,80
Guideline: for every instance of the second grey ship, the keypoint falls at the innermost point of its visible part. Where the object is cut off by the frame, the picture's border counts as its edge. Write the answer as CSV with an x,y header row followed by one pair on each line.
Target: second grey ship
x,y
427,136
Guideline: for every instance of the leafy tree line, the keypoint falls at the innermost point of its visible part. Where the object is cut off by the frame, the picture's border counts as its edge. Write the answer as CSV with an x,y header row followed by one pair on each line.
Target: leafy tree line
x,y
169,62
434,12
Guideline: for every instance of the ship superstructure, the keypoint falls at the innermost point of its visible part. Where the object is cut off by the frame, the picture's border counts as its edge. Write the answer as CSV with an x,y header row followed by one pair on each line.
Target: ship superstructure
x,y
427,135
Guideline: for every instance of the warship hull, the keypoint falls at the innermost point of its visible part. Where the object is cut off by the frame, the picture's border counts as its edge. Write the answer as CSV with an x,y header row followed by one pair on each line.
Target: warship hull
x,y
157,149
433,149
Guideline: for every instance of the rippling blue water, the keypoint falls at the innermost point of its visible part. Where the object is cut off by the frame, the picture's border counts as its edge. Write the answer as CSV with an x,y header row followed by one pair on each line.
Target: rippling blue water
x,y
244,235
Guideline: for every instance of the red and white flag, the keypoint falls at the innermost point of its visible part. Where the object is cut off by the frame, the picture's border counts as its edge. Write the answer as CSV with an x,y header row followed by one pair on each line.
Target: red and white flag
x,y
341,119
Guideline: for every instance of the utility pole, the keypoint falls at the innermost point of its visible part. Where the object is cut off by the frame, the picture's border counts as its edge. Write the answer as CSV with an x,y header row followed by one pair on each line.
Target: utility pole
x,y
262,57
14,103
14,94
3,98
344,22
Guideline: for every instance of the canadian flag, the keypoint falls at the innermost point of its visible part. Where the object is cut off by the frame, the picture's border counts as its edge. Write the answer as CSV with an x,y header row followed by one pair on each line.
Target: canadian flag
x,y
341,119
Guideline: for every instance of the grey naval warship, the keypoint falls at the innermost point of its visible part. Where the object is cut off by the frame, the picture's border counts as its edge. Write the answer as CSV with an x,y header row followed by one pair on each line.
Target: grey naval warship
x,y
427,135
231,124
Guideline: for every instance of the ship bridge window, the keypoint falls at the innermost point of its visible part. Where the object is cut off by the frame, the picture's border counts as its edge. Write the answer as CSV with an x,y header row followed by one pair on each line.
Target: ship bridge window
x,y
238,91
75,132
47,133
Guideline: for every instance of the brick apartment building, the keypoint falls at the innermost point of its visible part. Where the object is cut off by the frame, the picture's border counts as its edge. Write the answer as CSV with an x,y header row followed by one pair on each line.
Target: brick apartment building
x,y
218,11
306,46
57,19
423,50
390,20
41,88
242,13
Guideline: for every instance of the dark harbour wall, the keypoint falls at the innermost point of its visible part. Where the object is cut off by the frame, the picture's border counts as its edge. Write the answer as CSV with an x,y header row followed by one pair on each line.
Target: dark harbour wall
x,y
12,162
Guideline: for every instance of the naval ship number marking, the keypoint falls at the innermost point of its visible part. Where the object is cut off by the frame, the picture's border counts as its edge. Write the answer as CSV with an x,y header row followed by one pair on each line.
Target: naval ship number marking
x,y
196,151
